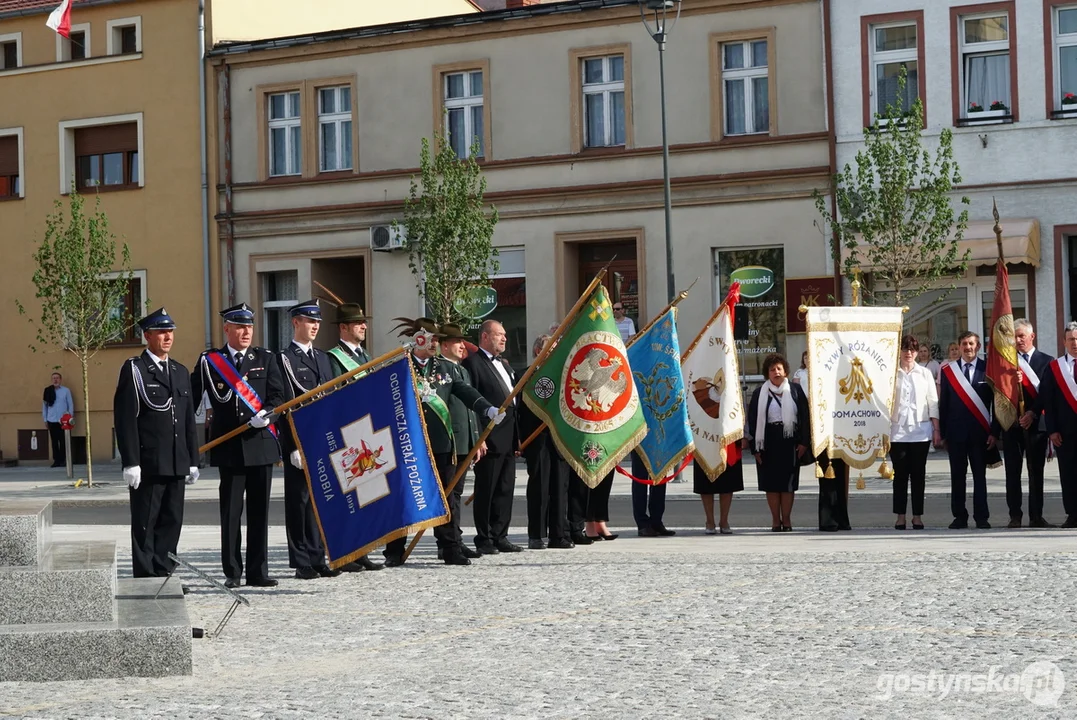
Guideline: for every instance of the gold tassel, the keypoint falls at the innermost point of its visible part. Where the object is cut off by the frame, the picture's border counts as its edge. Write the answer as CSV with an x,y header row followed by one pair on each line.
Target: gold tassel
x,y
818,471
829,474
885,472
860,484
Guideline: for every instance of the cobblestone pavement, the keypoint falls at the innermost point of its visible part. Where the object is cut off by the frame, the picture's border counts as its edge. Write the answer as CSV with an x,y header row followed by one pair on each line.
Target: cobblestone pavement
x,y
752,625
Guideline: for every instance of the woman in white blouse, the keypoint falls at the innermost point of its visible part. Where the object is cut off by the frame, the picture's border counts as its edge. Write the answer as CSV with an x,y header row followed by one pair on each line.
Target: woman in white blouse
x,y
914,426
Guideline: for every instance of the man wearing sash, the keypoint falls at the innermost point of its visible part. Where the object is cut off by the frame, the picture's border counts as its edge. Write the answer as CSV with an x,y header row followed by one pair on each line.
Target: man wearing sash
x,y
153,415
1058,401
303,367
437,380
345,356
966,427
237,378
1028,438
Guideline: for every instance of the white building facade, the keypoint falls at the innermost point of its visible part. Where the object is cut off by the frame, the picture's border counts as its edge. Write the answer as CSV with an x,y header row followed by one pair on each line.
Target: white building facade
x,y
1003,77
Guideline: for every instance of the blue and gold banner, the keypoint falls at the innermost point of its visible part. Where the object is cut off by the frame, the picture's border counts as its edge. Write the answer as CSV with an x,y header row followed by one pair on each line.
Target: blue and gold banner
x,y
655,359
372,477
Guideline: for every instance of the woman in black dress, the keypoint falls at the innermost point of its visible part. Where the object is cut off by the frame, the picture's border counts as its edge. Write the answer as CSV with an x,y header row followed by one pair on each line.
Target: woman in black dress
x,y
778,420
729,482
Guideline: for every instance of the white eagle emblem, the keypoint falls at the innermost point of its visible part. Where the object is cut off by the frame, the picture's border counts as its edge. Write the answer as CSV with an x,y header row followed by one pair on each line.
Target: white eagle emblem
x,y
594,387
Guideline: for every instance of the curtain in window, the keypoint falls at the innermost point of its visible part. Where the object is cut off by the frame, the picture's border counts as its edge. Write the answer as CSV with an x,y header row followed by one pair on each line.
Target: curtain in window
x,y
988,80
457,133
596,121
886,85
329,146
346,145
734,107
477,128
1067,69
760,105
297,144
617,100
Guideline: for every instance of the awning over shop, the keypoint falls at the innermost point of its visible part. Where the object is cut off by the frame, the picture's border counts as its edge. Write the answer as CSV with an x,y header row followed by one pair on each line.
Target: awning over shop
x,y
1020,242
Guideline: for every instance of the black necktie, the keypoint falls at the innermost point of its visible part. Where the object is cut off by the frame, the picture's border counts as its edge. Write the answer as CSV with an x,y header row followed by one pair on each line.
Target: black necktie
x,y
1024,356
238,361
968,372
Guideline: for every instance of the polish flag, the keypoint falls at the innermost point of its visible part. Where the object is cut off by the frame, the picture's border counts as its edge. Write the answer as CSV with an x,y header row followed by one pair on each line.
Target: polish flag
x,y
60,19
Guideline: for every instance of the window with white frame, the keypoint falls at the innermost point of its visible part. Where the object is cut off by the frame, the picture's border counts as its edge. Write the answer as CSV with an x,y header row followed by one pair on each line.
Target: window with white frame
x,y
463,99
603,101
745,87
279,292
10,51
76,46
1065,58
285,134
124,36
985,65
894,47
335,128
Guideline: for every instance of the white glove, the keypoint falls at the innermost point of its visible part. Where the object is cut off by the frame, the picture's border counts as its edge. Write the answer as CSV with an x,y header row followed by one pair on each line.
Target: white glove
x,y
428,396
260,420
712,393
192,476
496,415
295,460
132,476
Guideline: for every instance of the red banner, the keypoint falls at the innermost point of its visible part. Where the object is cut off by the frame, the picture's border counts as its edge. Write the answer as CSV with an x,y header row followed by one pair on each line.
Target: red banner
x,y
1002,353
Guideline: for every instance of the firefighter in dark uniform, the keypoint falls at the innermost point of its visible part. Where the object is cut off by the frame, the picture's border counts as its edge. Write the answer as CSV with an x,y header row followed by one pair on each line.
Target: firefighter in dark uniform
x,y
153,415
348,354
238,378
303,367
438,381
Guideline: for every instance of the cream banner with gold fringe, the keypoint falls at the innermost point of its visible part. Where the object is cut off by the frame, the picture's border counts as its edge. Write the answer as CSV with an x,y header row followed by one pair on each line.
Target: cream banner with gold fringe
x,y
852,366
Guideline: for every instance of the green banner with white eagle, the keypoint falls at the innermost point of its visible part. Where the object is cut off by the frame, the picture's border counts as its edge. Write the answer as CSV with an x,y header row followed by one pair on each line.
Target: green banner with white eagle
x,y
584,393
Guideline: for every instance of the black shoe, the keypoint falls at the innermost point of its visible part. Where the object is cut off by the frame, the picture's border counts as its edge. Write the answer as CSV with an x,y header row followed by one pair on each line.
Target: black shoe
x,y
647,532
611,536
441,554
917,526
57,464
262,582
581,539
469,553
455,557
845,527
305,573
231,583
663,531
833,528
352,567
367,564
776,528
534,544
561,544
1015,522
983,525
959,525
394,561
1071,522
506,547
787,528
1040,523
487,549
899,526
324,571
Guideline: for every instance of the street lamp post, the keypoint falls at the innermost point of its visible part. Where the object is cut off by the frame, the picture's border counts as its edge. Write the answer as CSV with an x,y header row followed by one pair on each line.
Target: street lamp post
x,y
661,10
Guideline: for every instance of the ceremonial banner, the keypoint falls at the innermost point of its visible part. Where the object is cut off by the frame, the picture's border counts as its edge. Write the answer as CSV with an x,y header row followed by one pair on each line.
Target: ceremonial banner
x,y
655,358
1002,353
368,464
852,366
584,393
715,405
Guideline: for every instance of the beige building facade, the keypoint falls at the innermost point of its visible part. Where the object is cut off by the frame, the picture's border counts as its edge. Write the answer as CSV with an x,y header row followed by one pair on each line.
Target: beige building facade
x,y
316,140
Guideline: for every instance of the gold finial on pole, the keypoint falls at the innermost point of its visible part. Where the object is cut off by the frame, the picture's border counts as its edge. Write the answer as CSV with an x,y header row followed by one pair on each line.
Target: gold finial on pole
x,y
998,230
856,287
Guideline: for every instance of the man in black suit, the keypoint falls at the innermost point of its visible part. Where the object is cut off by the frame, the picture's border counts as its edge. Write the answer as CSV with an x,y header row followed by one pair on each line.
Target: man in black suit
x,y
967,430
1058,402
153,416
1028,437
347,355
303,367
439,381
495,474
238,378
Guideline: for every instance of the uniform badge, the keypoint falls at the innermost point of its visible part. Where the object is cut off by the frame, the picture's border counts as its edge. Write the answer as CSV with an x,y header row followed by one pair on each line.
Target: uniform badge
x,y
220,386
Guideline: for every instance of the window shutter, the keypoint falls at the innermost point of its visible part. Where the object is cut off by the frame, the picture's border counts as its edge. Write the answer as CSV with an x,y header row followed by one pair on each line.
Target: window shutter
x,y
9,155
102,139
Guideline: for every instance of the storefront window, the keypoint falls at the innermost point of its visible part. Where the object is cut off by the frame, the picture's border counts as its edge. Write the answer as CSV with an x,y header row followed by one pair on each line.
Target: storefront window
x,y
937,318
510,285
761,274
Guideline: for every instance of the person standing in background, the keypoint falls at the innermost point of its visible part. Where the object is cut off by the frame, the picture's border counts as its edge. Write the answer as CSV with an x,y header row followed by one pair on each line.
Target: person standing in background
x,y
625,325
56,403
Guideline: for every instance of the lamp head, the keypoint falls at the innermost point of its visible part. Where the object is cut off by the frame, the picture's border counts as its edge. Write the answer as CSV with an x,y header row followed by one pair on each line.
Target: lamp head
x,y
660,4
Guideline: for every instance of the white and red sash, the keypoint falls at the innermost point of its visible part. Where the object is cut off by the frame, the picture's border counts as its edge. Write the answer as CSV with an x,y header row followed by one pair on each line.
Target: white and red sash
x,y
1030,381
1066,383
963,388
239,385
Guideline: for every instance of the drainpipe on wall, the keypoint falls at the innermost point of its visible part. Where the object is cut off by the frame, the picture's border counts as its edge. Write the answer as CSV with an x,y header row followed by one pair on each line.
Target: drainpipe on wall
x,y
224,82
206,295
832,146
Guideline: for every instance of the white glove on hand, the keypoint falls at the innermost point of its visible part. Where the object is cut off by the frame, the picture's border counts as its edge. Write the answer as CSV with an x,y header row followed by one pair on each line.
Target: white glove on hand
x,y
260,420
712,393
132,476
295,460
496,415
192,476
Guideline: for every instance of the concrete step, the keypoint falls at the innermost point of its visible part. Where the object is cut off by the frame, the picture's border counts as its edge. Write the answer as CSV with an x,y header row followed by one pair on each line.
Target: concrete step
x,y
75,582
25,531
149,638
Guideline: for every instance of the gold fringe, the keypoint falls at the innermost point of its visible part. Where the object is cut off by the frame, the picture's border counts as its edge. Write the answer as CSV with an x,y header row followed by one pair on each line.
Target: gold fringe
x,y
829,474
885,471
818,470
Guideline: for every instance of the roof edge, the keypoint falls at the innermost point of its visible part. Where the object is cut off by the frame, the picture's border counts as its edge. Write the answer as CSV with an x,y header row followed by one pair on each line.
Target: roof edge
x,y
46,9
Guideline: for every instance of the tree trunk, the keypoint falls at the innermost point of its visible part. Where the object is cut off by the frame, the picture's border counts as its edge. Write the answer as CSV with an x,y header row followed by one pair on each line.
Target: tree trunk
x,y
86,399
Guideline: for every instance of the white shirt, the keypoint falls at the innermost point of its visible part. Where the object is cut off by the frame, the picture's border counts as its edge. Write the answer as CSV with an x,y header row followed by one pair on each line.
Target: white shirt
x,y
500,367
1027,357
626,327
932,367
916,402
353,348
232,352
305,348
774,405
156,359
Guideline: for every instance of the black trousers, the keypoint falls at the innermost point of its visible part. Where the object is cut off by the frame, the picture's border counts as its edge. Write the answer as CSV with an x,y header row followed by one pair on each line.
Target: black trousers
x,y
547,494
598,500
577,502
910,465
59,447
1017,445
305,547
495,480
255,482
964,455
1067,472
447,535
648,501
156,521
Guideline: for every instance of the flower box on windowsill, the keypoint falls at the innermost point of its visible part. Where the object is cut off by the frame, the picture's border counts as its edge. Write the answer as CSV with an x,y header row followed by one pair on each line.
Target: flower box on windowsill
x,y
986,117
1068,110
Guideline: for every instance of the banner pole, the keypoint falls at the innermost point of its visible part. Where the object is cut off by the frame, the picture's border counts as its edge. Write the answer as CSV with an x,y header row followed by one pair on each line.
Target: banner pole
x,y
462,466
284,407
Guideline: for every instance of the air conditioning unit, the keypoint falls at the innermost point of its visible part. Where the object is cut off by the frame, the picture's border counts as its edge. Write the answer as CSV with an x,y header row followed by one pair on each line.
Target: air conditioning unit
x,y
386,238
